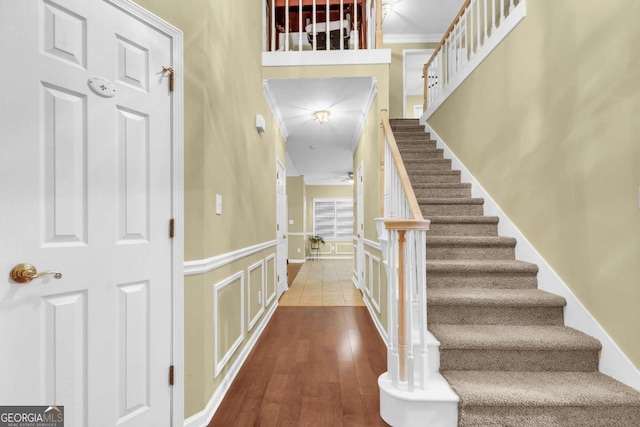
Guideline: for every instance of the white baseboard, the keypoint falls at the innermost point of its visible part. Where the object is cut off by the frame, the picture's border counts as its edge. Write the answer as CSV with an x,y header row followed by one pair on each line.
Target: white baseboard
x,y
296,261
328,257
613,361
203,418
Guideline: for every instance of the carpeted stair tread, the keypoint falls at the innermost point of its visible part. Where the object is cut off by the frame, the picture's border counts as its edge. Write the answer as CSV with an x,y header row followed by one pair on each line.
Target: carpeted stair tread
x,y
451,201
552,389
507,337
493,297
442,185
470,241
482,266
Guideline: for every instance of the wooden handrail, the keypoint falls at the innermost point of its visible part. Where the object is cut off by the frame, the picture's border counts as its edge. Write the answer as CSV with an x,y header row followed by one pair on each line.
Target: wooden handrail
x,y
407,224
414,207
449,30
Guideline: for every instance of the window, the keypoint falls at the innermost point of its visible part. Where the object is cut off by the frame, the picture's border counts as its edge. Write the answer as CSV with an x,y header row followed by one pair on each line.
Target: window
x,y
333,218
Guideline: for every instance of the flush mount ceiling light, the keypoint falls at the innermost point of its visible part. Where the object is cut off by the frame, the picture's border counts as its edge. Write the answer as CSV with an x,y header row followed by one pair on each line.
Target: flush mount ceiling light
x,y
387,7
321,116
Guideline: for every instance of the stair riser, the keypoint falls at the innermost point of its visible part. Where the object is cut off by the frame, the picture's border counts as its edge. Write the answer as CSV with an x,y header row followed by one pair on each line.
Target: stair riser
x,y
536,416
470,315
445,252
462,229
434,179
519,360
421,155
427,165
481,280
441,193
451,210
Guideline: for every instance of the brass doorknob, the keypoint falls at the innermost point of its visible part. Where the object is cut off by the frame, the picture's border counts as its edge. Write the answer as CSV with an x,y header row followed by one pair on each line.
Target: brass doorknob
x,y
24,273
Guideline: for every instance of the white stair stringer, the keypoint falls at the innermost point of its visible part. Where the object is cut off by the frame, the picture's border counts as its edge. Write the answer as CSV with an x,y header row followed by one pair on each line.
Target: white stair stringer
x,y
437,406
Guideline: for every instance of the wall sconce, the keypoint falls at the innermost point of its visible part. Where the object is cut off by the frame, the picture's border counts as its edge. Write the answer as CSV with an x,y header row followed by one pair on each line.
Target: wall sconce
x,y
261,125
322,116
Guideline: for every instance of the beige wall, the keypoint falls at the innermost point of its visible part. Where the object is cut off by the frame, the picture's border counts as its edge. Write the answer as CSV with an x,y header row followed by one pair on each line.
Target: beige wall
x,y
413,100
332,248
368,153
224,155
295,204
550,129
396,71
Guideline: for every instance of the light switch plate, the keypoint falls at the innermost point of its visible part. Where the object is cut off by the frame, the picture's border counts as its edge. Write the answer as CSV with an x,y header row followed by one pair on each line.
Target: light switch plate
x,y
218,204
290,222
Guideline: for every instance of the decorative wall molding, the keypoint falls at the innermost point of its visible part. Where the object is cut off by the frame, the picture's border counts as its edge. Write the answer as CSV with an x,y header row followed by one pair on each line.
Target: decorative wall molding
x,y
332,57
372,244
209,264
348,244
203,418
275,109
366,106
255,266
272,295
297,234
218,365
376,320
613,361
375,299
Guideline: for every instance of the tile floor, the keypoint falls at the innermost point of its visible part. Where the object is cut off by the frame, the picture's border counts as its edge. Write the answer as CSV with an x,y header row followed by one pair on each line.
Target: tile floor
x,y
323,283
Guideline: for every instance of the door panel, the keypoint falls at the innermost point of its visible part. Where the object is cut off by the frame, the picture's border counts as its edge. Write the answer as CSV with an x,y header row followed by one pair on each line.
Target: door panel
x,y
86,190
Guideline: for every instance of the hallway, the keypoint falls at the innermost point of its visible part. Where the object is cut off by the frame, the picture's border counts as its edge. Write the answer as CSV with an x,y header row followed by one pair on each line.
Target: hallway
x,y
313,365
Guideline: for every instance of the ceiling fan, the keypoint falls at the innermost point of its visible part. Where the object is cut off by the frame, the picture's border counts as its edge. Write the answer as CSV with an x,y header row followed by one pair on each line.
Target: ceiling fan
x,y
348,178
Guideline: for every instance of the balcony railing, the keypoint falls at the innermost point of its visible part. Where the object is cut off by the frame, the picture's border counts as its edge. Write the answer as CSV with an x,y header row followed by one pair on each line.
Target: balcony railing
x,y
478,28
322,25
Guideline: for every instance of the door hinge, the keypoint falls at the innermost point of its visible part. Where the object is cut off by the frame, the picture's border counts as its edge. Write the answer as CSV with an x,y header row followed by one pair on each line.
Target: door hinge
x,y
277,227
278,279
171,228
171,375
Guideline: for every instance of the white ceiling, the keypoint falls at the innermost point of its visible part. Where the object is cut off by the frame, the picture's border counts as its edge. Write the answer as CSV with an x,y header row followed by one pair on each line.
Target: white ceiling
x,y
323,153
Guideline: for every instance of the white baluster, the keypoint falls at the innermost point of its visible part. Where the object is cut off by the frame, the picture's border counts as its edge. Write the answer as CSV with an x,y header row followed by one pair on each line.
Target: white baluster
x,y
274,34
286,25
511,5
486,22
300,25
341,27
478,35
502,16
465,41
493,16
326,27
356,32
408,287
314,30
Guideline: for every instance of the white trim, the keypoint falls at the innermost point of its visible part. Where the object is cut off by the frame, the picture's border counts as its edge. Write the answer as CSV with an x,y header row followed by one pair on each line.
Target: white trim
x,y
177,189
411,38
275,275
297,234
372,244
372,260
326,57
367,274
613,361
252,267
218,365
366,106
275,109
201,266
296,261
329,257
203,418
509,24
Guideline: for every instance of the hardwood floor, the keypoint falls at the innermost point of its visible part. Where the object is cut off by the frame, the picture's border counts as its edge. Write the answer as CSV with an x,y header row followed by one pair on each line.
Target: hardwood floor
x,y
312,366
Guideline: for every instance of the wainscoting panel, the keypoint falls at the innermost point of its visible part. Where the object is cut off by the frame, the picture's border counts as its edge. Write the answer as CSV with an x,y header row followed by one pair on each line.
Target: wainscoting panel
x,y
270,278
228,319
255,292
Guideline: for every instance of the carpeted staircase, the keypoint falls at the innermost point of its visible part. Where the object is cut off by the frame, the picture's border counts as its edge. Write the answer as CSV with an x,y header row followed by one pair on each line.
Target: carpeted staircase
x,y
504,348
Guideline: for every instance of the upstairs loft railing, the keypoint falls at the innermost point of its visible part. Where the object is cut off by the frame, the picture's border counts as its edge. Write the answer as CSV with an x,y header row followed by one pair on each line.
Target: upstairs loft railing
x,y
318,25
402,235
477,29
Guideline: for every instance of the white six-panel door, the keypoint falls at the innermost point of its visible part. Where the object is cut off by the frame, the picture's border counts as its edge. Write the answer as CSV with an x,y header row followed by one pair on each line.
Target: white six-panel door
x,y
282,247
85,189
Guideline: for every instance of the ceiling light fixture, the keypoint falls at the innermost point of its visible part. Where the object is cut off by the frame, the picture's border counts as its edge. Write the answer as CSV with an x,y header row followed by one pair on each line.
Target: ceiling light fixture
x,y
387,7
321,116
